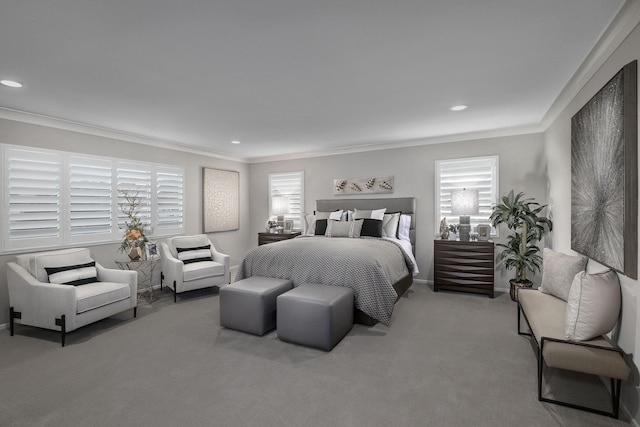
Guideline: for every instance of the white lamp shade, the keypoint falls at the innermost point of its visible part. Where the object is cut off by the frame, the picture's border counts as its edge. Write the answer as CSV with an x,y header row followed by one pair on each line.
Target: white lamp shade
x,y
465,202
279,205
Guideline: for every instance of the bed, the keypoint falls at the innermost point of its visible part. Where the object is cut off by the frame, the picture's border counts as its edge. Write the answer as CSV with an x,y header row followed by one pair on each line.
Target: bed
x,y
379,270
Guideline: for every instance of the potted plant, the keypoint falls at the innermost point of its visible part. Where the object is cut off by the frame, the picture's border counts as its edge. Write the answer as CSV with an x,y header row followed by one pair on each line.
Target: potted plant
x,y
527,226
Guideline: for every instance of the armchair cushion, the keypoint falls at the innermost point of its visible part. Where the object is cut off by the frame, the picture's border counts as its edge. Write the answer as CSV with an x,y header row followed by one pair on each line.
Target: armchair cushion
x,y
196,254
200,270
40,261
75,275
98,294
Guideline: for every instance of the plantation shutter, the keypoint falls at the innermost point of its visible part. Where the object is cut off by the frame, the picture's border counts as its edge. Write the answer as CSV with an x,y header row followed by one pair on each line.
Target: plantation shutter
x,y
478,173
136,179
33,196
169,200
291,185
90,207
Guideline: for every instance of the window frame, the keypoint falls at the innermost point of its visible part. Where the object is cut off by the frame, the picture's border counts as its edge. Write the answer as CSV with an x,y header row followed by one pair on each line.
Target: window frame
x,y
296,216
64,236
486,200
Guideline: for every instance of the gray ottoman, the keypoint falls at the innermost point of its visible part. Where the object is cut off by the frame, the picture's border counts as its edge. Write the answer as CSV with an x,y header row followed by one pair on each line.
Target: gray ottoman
x,y
315,315
249,305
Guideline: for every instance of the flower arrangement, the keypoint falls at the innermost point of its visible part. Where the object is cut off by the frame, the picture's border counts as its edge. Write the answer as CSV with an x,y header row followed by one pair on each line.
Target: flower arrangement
x,y
134,242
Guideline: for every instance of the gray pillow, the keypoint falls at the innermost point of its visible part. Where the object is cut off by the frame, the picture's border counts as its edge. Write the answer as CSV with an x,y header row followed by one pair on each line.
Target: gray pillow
x,y
344,228
558,271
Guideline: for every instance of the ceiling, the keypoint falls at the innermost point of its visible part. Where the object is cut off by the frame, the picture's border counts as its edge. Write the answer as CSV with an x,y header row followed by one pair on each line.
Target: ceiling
x,y
294,76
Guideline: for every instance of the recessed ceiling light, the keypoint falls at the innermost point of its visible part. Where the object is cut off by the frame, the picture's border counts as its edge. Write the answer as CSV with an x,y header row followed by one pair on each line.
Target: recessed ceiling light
x,y
235,142
459,107
10,83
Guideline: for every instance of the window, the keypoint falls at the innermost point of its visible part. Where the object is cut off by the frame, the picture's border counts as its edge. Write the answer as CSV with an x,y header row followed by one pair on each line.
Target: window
x,y
286,196
475,173
53,198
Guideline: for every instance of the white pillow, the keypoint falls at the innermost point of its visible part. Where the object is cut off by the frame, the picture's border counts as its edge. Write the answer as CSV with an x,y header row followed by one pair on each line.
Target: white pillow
x,y
390,225
309,225
403,228
367,213
558,271
336,215
593,306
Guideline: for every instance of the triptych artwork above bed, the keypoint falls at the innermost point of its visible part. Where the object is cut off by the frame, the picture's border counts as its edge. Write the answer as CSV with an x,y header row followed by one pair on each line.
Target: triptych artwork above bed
x,y
367,185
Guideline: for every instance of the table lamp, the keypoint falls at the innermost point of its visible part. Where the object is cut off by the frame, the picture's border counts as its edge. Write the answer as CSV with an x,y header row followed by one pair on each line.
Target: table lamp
x,y
280,207
464,203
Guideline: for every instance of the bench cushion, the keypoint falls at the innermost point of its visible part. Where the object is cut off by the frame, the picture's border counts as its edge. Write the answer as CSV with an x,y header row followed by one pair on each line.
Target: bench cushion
x,y
546,317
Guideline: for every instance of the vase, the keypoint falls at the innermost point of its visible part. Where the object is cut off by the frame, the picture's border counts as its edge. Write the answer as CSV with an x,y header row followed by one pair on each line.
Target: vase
x,y
135,253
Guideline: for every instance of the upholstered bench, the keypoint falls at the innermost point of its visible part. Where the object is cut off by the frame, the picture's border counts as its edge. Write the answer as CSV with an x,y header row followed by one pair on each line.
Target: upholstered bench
x,y
249,305
315,315
547,316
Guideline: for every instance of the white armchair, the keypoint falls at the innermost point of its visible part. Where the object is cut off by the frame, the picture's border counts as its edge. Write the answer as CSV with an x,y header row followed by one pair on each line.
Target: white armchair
x,y
42,291
192,262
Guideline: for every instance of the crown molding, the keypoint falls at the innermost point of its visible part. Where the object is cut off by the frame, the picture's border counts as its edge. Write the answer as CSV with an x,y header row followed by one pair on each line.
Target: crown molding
x,y
388,145
625,21
52,122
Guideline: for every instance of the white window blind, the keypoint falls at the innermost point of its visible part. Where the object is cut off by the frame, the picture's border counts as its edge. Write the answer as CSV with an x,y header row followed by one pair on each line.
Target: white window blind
x,y
33,193
289,185
476,173
169,199
90,197
52,198
135,178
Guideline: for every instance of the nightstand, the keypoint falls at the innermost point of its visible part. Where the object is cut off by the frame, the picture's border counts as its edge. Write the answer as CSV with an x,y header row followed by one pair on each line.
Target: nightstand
x,y
264,238
463,266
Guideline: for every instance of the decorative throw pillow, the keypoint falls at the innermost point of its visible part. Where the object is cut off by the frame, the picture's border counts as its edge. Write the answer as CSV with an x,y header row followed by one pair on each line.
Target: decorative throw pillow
x,y
593,306
404,226
75,275
368,213
344,228
371,227
321,227
196,254
390,225
558,271
335,215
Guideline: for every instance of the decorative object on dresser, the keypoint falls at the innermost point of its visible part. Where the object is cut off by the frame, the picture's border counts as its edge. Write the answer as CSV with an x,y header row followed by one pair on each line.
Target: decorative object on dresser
x,y
484,231
265,238
604,175
464,203
463,266
192,262
66,289
220,200
444,229
369,185
527,226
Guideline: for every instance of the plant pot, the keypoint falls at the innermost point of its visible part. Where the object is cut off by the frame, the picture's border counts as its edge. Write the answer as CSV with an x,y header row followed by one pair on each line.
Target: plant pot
x,y
513,290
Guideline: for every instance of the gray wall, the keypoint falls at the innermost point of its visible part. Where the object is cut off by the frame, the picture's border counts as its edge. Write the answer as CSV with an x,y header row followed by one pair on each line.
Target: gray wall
x,y
521,168
558,160
234,243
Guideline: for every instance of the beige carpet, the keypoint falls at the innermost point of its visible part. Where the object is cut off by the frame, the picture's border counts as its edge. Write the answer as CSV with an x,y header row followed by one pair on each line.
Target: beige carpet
x,y
448,359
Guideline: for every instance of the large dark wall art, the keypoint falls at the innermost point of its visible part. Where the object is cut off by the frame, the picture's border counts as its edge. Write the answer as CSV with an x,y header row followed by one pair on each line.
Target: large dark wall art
x,y
604,175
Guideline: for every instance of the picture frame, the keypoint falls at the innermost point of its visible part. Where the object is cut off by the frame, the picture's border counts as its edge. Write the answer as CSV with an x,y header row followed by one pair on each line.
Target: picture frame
x,y
152,248
287,226
484,232
604,175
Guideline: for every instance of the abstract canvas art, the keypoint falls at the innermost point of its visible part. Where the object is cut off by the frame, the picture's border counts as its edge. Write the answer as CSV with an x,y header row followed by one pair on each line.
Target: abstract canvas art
x,y
604,193
220,200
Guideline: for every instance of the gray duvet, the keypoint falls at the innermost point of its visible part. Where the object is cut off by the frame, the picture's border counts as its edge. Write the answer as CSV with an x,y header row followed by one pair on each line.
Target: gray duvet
x,y
369,266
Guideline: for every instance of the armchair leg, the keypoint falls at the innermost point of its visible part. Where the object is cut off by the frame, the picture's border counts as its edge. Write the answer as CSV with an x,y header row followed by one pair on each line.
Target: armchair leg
x,y
175,291
13,315
62,322
135,312
161,279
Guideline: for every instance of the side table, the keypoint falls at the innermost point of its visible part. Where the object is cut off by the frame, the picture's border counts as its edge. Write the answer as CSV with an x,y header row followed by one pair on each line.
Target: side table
x,y
144,268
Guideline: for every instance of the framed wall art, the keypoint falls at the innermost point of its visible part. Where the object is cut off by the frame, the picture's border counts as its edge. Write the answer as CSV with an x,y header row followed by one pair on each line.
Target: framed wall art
x,y
604,175
371,185
220,200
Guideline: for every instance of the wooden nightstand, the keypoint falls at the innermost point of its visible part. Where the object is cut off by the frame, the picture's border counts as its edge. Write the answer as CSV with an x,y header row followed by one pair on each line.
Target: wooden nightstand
x,y
463,266
264,238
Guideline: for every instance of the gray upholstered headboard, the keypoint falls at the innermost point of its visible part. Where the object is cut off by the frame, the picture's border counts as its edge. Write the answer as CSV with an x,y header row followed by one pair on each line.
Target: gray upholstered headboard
x,y
406,205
